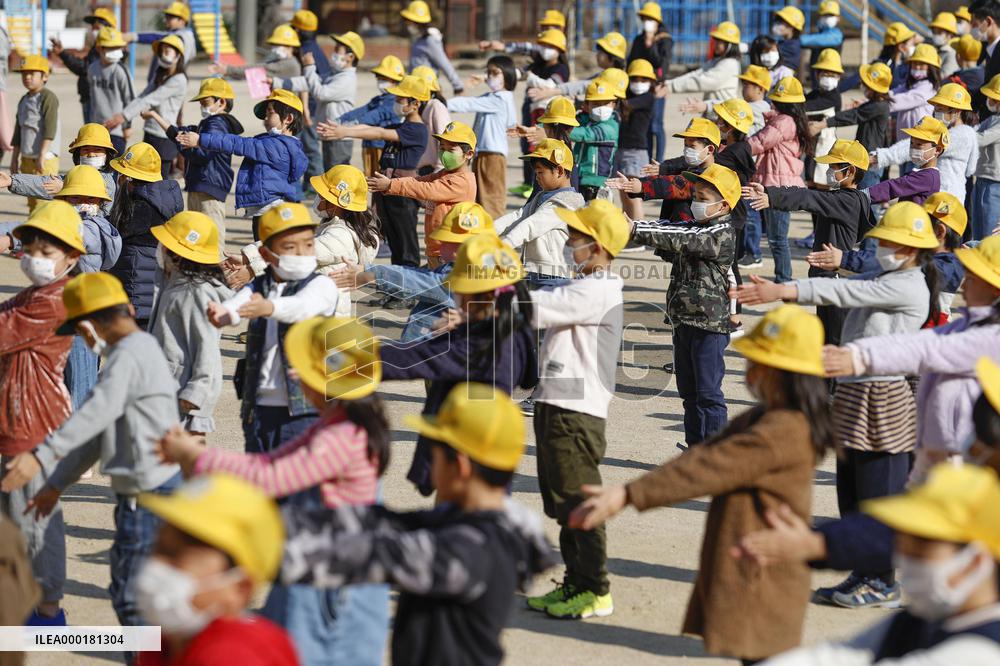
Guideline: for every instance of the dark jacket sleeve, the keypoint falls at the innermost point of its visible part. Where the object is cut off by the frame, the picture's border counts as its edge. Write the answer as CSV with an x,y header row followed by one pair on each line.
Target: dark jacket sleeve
x,y
856,542
74,64
442,357
841,209
856,116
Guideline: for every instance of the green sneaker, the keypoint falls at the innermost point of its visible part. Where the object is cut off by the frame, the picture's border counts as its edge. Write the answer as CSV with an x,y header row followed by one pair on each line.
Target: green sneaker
x,y
559,593
581,606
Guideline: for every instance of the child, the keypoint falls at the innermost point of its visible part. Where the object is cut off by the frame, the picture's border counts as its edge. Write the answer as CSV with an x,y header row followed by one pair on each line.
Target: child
x,y
717,78
132,405
378,111
495,113
828,36
406,143
944,29
306,23
763,460
583,322
874,417
970,74
208,175
785,28
610,51
273,161
110,84
490,341
427,45
909,100
337,462
436,116
37,129
823,102
176,18
596,139
281,61
488,545
756,82
219,541
655,45
764,53
101,17
634,133
274,408
188,255
986,193
928,140
144,200
452,185
33,399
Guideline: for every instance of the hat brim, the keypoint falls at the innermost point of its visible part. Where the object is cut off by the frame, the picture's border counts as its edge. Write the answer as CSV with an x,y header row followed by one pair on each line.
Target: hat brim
x,y
741,126
972,261
559,120
442,233
455,139
386,74
923,136
78,192
126,170
695,135
751,350
68,327
697,177
837,159
912,514
722,37
349,386
787,99
324,191
427,426
743,77
350,47
902,238
827,68
28,224
559,47
951,104
168,241
422,20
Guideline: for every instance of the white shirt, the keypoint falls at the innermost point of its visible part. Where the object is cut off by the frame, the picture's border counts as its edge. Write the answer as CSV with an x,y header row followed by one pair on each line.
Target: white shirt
x,y
992,47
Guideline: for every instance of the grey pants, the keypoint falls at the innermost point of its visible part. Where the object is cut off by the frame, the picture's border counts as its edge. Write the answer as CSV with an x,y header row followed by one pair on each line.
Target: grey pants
x,y
337,152
45,538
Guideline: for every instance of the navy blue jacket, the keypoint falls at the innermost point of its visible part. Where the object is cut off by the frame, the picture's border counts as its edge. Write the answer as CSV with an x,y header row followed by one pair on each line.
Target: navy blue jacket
x,y
152,205
273,165
856,542
790,51
206,171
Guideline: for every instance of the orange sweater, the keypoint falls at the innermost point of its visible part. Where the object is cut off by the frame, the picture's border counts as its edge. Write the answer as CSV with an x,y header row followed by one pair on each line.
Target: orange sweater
x,y
442,189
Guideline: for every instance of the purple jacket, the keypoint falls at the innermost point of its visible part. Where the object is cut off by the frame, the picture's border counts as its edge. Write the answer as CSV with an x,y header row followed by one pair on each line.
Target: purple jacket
x,y
914,186
945,358
910,105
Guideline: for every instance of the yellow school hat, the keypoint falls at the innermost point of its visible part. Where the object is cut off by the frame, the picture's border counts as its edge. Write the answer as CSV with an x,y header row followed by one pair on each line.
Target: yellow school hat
x,y
983,260
336,356
554,151
641,68
480,421
949,210
702,128
652,11
88,293
83,181
140,161
600,90
876,76
284,35
929,129
602,221
214,87
757,75
957,504
417,11
462,222
93,134
59,220
988,373
963,14
737,112
897,33
484,263
829,61
727,31
926,54
614,43
845,151
180,10
553,18
109,38
286,97
169,40
305,20
230,515
829,8
105,14
992,88
190,235
283,217
788,338
954,96
561,111
353,41
793,16
458,132
945,21
968,48
617,79
411,87
908,224
553,37
429,76
722,179
789,89
391,68
35,63
344,186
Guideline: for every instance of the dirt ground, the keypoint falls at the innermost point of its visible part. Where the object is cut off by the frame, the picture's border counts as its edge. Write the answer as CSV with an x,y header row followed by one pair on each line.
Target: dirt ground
x,y
652,558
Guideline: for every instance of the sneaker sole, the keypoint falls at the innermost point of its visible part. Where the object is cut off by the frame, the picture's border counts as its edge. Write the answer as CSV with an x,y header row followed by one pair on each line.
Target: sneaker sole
x,y
603,612
898,603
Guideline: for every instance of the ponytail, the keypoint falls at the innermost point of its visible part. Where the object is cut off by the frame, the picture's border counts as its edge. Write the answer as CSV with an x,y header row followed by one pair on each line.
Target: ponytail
x,y
797,111
932,276
368,413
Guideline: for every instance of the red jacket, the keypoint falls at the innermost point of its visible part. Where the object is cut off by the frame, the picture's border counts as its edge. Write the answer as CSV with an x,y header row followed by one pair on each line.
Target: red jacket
x,y
246,641
33,398
777,150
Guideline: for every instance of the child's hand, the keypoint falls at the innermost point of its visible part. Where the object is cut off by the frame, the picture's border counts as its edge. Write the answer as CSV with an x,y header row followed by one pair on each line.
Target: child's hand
x,y
21,469
188,139
856,103
379,182
181,447
43,502
449,321
816,126
329,131
5,180
114,121
789,539
692,105
839,361
491,45
257,306
517,131
307,59
187,406
5,243
217,68
147,114
650,170
346,277
603,503
218,316
538,94
624,183
872,160
474,80
756,196
57,46
760,291
238,277
661,89
52,185
828,258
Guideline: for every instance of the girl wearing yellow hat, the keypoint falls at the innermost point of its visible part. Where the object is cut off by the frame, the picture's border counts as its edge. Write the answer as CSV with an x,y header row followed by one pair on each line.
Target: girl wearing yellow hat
x,y
765,52
610,50
436,116
427,43
378,111
655,45
909,100
281,61
716,79
764,459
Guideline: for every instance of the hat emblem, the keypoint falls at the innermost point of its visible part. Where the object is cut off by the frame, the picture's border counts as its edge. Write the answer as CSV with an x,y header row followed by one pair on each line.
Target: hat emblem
x,y
128,156
771,330
600,90
918,224
468,221
334,362
781,88
557,154
344,198
342,185
489,261
943,208
875,74
285,213
450,127
192,236
742,114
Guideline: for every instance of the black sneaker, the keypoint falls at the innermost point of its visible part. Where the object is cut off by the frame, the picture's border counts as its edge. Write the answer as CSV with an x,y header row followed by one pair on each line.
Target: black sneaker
x,y
824,595
528,407
751,262
379,301
399,304
668,367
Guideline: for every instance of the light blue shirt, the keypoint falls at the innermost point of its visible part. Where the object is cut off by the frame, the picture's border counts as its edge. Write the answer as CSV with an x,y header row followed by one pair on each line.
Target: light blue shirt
x,y
495,113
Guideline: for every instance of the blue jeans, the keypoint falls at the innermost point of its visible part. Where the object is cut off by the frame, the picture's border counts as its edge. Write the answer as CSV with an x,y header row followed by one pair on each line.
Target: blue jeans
x,y
657,137
751,233
81,371
699,366
776,225
270,427
985,207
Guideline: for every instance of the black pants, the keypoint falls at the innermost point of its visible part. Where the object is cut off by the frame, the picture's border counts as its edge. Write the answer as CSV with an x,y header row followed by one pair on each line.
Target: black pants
x,y
119,143
168,152
589,192
833,322
398,216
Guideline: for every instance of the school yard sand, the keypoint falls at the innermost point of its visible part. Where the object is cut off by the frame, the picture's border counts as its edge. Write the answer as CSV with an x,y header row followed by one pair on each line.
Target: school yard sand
x,y
652,558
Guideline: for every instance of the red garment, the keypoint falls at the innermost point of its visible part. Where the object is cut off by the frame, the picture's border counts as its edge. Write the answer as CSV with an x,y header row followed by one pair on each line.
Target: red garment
x,y
247,641
33,398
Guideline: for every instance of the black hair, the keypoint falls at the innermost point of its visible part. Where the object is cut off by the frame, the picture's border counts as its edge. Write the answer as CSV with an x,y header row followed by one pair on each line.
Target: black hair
x,y
732,51
887,54
368,413
161,72
109,315
439,96
562,133
986,420
933,279
982,9
496,478
859,175
195,271
933,75
365,224
506,65
970,118
551,166
283,110
810,395
797,110
506,321
615,60
228,104
31,234
121,209
952,241
761,44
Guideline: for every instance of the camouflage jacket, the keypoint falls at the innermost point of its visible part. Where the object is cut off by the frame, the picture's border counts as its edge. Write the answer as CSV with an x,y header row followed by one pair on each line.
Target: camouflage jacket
x,y
701,254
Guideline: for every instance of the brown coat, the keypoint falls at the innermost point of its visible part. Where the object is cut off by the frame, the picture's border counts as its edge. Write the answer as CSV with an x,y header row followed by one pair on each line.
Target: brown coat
x,y
739,608
18,590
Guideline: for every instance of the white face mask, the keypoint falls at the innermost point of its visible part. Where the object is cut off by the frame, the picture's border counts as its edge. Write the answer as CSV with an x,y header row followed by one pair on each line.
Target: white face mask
x,y
281,52
639,87
87,209
908,51
699,210
962,27
321,214
888,260
993,106
833,179
568,251
41,270
549,53
694,157
769,59
277,131
649,26
100,344
601,113
978,34
495,83
167,60
96,161
918,74
114,56
940,39
399,109
920,157
383,85
207,111
930,596
293,267
164,595
943,117
338,62
828,21
413,30
828,83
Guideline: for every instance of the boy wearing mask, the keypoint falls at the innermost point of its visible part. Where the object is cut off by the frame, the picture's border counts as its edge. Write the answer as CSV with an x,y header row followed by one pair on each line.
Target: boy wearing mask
x,y
596,139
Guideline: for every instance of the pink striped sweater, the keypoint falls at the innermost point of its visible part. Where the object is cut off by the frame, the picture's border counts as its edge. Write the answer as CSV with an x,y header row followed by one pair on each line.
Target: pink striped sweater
x,y
332,454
